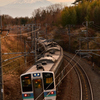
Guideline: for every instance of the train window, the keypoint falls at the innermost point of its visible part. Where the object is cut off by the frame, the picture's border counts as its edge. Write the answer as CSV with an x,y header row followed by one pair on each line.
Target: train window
x,y
48,81
26,83
37,83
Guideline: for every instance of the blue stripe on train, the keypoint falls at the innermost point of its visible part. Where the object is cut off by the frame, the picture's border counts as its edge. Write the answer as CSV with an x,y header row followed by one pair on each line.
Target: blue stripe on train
x,y
28,97
46,94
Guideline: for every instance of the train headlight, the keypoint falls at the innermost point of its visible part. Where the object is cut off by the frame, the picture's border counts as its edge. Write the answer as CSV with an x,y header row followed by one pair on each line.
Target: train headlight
x,y
27,95
51,92
36,75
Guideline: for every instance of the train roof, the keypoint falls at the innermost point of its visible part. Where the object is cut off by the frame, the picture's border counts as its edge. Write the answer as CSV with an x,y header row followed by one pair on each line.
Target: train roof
x,y
57,48
40,66
50,43
45,67
47,59
55,56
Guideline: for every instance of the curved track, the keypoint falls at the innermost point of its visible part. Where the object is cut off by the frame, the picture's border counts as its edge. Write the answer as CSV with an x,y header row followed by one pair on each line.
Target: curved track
x,y
85,85
77,79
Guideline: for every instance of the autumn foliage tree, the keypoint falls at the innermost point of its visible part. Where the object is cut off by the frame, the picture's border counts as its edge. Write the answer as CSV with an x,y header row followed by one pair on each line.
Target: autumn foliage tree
x,y
47,15
58,15
86,11
68,16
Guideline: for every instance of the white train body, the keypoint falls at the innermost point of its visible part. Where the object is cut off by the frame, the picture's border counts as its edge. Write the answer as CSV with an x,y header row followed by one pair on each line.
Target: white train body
x,y
38,82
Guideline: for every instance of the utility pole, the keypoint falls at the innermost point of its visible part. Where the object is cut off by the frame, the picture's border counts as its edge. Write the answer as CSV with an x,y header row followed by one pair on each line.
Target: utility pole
x,y
86,24
35,46
32,38
69,36
1,70
87,34
1,77
20,33
25,60
46,30
34,42
87,39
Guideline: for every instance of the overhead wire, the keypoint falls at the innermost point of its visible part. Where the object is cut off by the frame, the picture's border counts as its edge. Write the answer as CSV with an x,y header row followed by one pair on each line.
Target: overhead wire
x,y
59,75
96,42
17,67
19,34
10,62
94,54
21,55
64,76
6,42
23,64
95,26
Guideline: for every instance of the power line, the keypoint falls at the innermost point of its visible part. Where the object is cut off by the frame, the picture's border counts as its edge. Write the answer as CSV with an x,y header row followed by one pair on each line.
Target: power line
x,y
87,39
17,67
11,62
96,42
60,74
19,34
95,54
1,76
15,57
18,57
88,50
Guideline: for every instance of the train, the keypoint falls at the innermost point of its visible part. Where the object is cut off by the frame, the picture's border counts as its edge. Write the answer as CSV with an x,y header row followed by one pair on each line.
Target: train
x,y
39,81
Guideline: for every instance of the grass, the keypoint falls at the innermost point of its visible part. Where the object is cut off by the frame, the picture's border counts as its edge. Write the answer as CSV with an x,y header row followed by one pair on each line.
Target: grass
x,y
13,68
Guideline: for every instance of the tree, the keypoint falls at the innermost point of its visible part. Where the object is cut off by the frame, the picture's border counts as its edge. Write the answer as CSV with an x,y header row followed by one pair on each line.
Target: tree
x,y
68,16
81,1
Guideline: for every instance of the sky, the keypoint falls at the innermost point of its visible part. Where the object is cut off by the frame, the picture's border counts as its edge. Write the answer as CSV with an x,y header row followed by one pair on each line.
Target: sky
x,y
19,11
61,1
5,2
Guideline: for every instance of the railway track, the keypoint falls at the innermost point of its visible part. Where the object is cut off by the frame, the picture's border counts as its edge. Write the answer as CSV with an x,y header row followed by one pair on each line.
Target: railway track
x,y
81,88
84,82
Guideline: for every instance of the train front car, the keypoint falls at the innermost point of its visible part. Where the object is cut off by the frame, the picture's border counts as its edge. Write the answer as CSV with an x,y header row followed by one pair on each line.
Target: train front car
x,y
38,86
26,87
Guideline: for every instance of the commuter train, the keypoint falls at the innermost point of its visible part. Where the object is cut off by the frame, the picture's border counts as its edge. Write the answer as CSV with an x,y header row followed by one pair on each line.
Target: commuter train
x,y
39,81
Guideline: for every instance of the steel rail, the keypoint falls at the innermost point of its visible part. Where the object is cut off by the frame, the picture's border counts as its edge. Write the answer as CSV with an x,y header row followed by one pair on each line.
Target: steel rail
x,y
88,81
80,83
91,91
58,76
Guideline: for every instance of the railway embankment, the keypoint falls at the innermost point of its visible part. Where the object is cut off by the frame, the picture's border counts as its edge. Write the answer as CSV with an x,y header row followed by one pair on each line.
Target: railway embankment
x,y
93,74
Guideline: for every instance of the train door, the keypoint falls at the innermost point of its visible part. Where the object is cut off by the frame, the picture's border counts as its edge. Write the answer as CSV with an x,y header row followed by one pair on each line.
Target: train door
x,y
38,89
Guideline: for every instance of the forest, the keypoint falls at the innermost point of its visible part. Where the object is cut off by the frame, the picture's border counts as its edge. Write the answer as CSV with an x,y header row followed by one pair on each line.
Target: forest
x,y
55,20
60,16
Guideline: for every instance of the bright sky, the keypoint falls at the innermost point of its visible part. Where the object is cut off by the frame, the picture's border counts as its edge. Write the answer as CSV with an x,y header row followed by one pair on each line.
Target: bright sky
x,y
5,2
58,1
28,12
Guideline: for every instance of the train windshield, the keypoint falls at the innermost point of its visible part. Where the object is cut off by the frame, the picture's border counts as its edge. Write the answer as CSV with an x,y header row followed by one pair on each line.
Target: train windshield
x,y
26,83
48,81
